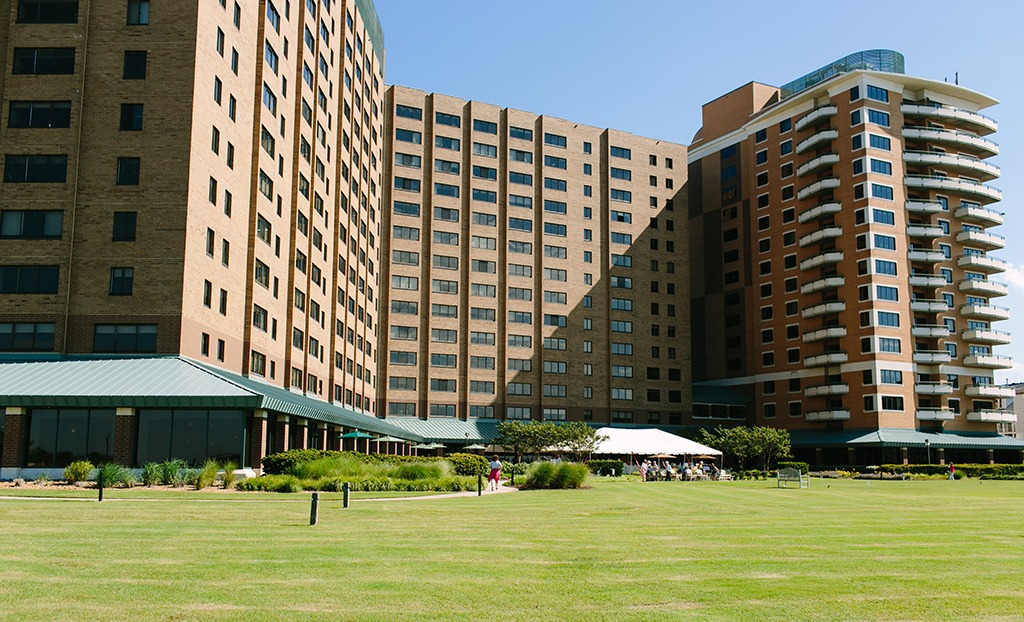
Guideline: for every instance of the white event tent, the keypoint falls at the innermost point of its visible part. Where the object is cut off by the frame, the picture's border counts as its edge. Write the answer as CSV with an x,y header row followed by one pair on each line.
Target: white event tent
x,y
648,442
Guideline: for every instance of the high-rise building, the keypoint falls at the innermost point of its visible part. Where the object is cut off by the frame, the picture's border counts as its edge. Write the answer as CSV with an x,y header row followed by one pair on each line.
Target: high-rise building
x,y
199,178
533,268
845,224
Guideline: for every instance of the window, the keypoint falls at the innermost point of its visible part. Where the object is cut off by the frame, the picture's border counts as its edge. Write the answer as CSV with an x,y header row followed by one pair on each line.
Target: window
x,y
554,140
48,11
35,168
29,279
878,94
408,136
482,149
409,112
39,114
520,133
121,281
882,167
128,171
27,337
43,61
880,142
31,224
486,127
138,12
620,152
621,195
124,338
878,117
134,65
881,192
450,120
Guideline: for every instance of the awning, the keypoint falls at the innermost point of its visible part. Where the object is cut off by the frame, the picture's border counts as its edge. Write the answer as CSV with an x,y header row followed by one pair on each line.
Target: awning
x,y
894,437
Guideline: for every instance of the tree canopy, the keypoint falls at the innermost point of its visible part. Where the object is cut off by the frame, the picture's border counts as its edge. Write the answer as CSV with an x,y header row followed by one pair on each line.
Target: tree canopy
x,y
531,437
744,443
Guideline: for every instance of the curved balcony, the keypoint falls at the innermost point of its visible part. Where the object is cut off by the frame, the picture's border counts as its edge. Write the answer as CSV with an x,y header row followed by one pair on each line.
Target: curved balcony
x,y
918,206
815,116
824,259
829,358
826,308
934,414
984,287
927,280
986,336
932,357
839,388
828,415
933,388
957,161
821,138
978,215
930,232
930,331
820,211
961,116
926,255
989,391
985,312
825,159
961,139
974,189
983,239
830,282
822,185
934,305
833,332
992,416
982,263
988,361
825,233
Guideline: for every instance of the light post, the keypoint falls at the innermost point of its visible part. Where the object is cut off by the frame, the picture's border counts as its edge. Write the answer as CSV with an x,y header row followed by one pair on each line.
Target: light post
x,y
928,448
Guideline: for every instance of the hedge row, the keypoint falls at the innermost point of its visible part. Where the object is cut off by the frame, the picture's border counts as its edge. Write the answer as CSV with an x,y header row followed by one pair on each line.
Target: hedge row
x,y
606,467
290,483
968,470
284,462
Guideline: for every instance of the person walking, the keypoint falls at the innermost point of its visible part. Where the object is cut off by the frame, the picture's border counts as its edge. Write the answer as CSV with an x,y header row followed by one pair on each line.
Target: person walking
x,y
951,470
495,475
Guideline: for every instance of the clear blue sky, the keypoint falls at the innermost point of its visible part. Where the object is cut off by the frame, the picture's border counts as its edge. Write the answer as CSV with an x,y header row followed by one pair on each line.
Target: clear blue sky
x,y
647,66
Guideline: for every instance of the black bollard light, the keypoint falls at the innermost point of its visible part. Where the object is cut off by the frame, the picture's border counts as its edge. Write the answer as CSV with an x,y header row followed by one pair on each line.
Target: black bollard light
x,y
346,490
314,508
479,484
99,481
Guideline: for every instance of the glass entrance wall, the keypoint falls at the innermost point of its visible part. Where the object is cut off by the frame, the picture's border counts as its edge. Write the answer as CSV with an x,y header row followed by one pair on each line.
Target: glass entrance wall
x,y
58,437
190,435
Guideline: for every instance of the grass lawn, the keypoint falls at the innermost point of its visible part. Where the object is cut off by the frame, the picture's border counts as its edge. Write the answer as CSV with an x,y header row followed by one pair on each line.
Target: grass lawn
x,y
843,550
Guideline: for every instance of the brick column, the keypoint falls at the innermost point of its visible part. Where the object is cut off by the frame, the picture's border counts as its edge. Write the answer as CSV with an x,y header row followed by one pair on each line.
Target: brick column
x,y
942,455
906,455
334,443
819,456
851,455
257,439
301,429
12,453
125,425
991,455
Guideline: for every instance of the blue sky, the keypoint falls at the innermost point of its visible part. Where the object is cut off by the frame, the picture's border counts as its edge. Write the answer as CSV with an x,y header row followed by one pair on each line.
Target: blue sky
x,y
647,66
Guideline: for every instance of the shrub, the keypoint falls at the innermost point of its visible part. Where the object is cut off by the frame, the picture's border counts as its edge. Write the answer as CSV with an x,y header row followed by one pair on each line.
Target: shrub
x,y
422,470
78,471
468,464
271,483
540,474
606,467
229,474
285,461
116,475
43,479
519,468
151,474
171,472
207,475
569,475
803,467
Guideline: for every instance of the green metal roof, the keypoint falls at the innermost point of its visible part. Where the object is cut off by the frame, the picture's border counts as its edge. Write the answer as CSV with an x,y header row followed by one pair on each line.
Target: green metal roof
x,y
711,394
164,382
449,430
893,437
159,382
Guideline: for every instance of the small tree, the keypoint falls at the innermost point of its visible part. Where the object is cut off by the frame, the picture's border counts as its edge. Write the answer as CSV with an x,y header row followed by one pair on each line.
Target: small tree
x,y
733,442
579,439
769,444
527,437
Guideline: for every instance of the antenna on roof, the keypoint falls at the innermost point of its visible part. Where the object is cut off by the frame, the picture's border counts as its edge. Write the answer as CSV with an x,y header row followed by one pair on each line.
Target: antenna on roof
x,y
956,79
